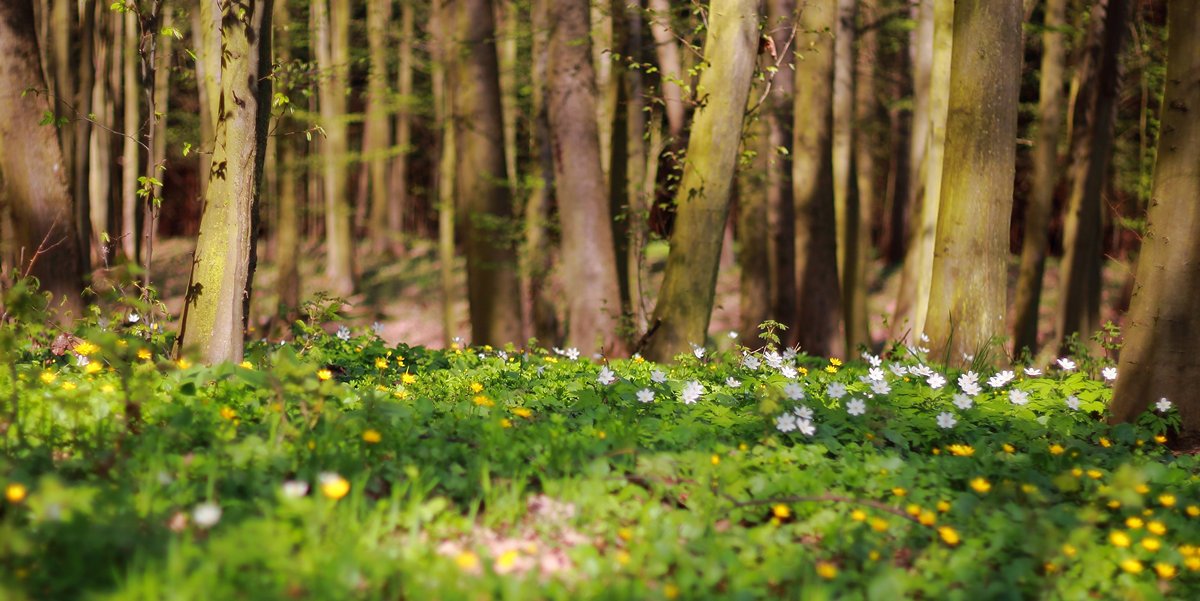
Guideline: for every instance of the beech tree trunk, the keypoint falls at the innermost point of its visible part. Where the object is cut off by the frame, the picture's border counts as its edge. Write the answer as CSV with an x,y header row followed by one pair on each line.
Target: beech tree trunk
x,y
1162,338
537,253
398,198
130,164
593,294
685,300
1091,153
332,19
970,265
781,219
818,320
670,65
33,173
219,293
377,133
481,188
1045,178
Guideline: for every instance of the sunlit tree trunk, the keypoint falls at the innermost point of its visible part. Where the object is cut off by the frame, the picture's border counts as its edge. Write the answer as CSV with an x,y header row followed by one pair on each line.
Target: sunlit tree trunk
x,y
753,236
332,19
377,134
33,173
685,300
208,73
781,219
1045,178
670,65
593,294
537,252
508,28
481,190
84,95
100,167
1091,153
818,321
1162,338
398,201
867,136
130,165
848,208
967,295
219,293
288,227
442,31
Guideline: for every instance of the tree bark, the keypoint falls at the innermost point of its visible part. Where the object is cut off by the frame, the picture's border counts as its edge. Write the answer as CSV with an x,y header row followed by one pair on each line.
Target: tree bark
x,y
32,169
1162,338
781,219
685,300
670,64
81,169
481,189
377,133
1091,152
589,259
399,200
753,232
288,228
970,265
818,320
1045,178
214,316
130,154
332,50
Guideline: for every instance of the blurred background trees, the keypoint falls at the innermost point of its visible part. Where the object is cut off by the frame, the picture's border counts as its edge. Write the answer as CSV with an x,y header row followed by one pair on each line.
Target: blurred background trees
x,y
596,174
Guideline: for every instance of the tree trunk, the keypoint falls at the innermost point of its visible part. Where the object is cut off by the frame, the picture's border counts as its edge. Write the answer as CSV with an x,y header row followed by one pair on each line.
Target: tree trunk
x,y
481,189
100,167
670,64
222,270
917,279
537,254
753,232
970,265
288,227
848,208
1045,178
1091,152
781,219
377,131
1162,339
685,300
130,166
398,201
332,50
589,260
32,170
508,33
81,169
818,320
208,72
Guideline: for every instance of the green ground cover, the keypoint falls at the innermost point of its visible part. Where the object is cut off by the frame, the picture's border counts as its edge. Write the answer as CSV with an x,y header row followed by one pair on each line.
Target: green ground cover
x,y
336,467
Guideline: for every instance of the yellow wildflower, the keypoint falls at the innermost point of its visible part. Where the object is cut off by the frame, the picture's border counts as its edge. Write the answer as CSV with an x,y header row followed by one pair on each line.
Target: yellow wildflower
x,y
381,363
1151,544
831,369
85,348
1157,528
1193,510
522,412
1167,500
476,388
835,361
144,354
1056,449
228,413
408,379
826,570
858,515
1008,448
505,422
626,534
15,492
467,561
1119,539
1069,550
961,450
1187,550
913,509
1114,504
93,367
927,518
943,506
483,401
981,485
1134,522
371,436
1077,472
1142,489
716,459
781,511
334,486
1132,566
324,374
246,365
1192,563
1104,442
1165,571
49,377
670,591
183,363
899,492
68,386
1160,439
949,535
1095,474
879,525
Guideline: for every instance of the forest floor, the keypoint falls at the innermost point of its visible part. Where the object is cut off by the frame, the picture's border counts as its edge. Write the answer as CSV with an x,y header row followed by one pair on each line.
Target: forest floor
x,y
403,293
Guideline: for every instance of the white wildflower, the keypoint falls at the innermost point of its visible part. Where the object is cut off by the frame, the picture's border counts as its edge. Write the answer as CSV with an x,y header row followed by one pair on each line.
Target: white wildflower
x,y
875,374
606,376
750,362
572,353
134,318
645,395
1001,379
1018,396
294,489
732,382
924,338
82,361
881,387
658,377
789,354
806,427
733,335
698,351
794,391
898,370
936,381
836,390
1109,373
788,372
1066,364
1163,405
1073,402
1033,371
691,392
921,370
206,515
803,412
343,333
774,361
377,328
963,402
946,420
969,383
874,360
856,407
785,422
